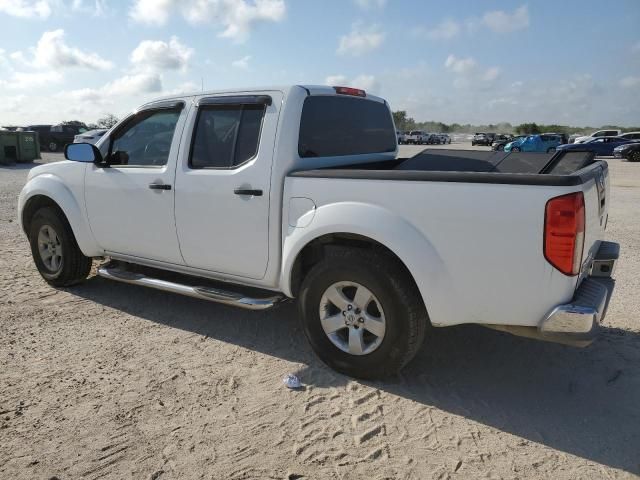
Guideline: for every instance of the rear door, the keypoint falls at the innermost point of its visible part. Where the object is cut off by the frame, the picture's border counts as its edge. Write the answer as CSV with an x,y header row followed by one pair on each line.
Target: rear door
x,y
223,184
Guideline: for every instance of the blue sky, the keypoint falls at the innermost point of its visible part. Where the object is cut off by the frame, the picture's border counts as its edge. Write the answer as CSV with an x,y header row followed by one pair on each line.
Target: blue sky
x,y
573,62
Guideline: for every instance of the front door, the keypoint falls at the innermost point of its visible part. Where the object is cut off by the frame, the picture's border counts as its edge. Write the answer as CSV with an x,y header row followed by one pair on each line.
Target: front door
x,y
223,184
130,202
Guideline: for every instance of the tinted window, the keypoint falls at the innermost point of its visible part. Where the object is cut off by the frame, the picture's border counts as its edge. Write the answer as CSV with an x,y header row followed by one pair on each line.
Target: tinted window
x,y
569,163
145,140
226,135
335,125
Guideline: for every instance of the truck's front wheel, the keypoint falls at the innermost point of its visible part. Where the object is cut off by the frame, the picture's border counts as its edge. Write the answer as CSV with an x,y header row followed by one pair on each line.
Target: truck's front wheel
x,y
362,313
55,250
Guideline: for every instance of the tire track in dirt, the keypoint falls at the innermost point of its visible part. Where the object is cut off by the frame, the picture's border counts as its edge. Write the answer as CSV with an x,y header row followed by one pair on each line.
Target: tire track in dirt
x,y
368,422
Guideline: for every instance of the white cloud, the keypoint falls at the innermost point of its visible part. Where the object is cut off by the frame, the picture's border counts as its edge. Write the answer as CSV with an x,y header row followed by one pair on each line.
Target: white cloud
x,y
361,40
336,80
470,75
134,84
187,87
460,65
52,52
97,8
159,55
369,4
26,8
445,30
27,80
368,83
630,82
503,22
490,74
242,63
237,17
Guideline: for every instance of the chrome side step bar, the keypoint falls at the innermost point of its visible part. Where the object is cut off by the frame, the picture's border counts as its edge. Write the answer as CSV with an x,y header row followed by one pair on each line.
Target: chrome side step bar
x,y
204,293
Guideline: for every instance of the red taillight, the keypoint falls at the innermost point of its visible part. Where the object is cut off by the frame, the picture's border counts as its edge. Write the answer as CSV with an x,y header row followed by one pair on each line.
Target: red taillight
x,y
564,232
356,92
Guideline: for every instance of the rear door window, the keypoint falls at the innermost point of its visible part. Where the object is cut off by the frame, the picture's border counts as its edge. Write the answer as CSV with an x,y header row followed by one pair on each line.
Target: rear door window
x,y
226,136
337,125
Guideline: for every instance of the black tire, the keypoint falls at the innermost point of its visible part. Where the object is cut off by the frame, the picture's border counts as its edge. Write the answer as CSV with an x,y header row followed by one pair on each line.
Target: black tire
x,y
500,148
635,156
551,150
473,144
52,146
405,314
515,149
75,267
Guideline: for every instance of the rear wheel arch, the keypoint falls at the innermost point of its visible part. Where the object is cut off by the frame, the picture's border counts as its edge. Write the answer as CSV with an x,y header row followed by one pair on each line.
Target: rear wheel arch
x,y
315,250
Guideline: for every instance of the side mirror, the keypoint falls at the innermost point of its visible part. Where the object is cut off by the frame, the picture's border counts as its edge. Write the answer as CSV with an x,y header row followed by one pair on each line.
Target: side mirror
x,y
83,152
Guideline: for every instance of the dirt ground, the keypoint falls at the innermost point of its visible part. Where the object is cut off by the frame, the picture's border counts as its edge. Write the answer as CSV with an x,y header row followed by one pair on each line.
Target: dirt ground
x,y
107,380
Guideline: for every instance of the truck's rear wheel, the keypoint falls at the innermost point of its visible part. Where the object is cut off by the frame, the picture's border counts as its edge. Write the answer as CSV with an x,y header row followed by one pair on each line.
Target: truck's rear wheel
x,y
362,313
55,250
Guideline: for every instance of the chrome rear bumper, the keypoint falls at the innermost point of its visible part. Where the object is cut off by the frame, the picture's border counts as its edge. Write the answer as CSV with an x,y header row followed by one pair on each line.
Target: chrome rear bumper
x,y
578,322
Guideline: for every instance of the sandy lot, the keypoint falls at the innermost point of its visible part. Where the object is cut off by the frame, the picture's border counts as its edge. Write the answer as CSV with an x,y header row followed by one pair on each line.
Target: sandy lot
x,y
106,380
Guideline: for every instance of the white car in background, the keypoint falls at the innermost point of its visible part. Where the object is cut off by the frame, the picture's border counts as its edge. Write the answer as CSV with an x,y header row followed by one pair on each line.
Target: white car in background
x,y
599,133
92,136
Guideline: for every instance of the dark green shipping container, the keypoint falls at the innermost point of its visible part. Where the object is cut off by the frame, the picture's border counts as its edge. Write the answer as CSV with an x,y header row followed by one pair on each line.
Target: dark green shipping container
x,y
18,147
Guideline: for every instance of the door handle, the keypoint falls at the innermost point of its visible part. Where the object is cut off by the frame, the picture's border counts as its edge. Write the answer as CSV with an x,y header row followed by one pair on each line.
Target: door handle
x,y
248,191
159,186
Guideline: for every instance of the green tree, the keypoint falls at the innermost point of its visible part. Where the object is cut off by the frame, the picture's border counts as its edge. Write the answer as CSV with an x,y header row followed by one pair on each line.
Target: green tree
x,y
75,123
402,121
108,121
527,129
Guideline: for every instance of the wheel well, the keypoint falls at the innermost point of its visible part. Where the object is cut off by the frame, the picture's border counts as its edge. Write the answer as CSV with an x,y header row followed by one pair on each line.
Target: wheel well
x,y
314,251
34,204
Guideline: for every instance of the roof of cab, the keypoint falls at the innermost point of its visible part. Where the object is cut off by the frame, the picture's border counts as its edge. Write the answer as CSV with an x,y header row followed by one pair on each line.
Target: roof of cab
x,y
311,90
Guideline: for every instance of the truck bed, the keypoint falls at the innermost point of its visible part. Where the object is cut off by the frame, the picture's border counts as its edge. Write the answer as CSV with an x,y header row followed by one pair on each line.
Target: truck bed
x,y
468,166
470,225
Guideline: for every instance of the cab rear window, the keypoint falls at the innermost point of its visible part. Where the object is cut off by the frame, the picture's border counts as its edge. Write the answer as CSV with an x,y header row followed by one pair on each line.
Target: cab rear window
x,y
335,125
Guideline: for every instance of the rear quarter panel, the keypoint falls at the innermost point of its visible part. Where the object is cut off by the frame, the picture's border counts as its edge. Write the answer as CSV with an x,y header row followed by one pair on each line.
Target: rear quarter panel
x,y
474,250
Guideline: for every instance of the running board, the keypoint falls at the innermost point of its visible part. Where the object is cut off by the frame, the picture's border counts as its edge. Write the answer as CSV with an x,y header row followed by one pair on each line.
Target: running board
x,y
204,293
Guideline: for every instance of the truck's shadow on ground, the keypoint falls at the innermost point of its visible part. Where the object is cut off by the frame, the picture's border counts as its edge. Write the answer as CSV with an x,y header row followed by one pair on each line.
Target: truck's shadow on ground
x,y
585,402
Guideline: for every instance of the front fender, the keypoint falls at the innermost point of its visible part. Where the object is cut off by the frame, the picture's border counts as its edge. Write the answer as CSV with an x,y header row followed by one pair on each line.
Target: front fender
x,y
385,227
53,187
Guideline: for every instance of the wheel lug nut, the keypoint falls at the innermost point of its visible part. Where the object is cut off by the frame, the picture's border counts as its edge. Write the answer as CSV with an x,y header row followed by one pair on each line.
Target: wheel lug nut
x,y
361,320
349,307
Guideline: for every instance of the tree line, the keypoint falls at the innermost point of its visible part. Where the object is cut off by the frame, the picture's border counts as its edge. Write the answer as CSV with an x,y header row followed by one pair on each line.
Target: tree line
x,y
107,121
404,123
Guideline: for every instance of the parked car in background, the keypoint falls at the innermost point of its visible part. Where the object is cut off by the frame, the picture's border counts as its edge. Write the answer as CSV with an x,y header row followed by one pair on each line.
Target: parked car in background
x,y
601,146
444,139
629,151
534,143
482,139
498,145
419,137
91,136
630,135
564,138
175,197
402,137
55,137
599,133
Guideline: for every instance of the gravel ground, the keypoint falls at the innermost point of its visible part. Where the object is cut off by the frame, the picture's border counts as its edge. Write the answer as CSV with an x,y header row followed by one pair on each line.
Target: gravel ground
x,y
106,380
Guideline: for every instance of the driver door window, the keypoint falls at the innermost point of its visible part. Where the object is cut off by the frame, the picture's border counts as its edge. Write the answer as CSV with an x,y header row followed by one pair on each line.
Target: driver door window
x,y
145,141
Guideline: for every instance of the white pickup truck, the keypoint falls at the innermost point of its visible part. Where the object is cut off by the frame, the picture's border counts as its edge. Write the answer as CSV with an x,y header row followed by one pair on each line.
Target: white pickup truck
x,y
253,197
